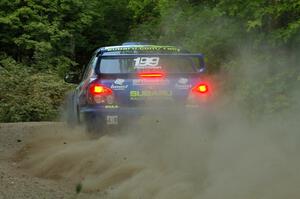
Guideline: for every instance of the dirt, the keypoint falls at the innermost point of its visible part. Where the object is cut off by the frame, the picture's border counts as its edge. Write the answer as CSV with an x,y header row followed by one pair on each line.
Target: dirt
x,y
158,159
15,182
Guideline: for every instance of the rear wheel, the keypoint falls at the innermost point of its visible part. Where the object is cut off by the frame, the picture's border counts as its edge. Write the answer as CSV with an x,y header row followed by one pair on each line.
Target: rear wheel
x,y
95,126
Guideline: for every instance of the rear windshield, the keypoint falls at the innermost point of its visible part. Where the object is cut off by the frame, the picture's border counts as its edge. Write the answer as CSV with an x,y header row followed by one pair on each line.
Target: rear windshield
x,y
170,64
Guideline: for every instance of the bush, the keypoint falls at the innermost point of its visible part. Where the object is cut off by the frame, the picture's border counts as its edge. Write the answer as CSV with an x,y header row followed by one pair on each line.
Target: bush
x,y
29,96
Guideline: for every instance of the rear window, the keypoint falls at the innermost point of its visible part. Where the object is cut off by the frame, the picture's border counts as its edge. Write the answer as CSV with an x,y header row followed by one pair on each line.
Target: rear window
x,y
170,64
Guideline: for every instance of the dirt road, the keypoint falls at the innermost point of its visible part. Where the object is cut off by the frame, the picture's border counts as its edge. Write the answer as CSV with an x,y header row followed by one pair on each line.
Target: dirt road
x,y
156,160
16,182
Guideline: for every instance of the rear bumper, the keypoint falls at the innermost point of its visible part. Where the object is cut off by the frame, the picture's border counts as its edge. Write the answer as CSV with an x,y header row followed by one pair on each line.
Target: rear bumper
x,y
138,111
122,115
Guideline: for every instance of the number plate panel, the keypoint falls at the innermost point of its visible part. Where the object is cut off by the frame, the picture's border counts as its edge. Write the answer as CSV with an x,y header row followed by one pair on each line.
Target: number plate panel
x,y
112,120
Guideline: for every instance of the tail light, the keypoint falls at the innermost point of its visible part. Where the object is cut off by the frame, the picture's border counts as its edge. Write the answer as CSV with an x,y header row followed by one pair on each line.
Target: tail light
x,y
100,94
200,93
99,89
200,88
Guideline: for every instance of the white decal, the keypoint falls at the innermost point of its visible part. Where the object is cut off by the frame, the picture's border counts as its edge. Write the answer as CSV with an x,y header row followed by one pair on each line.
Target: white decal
x,y
118,85
112,120
183,84
183,81
119,82
146,62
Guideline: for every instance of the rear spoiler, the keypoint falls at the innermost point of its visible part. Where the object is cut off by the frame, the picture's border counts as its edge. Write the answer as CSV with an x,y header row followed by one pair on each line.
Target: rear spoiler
x,y
120,56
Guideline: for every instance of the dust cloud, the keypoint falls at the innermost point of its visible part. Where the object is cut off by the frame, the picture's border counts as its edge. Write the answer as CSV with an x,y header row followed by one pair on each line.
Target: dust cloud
x,y
179,156
216,153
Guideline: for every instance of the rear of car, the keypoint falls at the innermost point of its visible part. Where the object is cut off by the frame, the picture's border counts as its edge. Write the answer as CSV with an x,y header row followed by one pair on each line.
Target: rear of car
x,y
126,82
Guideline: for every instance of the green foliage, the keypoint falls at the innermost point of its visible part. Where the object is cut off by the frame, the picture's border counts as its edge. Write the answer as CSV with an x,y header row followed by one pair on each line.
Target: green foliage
x,y
195,27
220,28
146,18
48,38
34,32
41,40
27,95
274,21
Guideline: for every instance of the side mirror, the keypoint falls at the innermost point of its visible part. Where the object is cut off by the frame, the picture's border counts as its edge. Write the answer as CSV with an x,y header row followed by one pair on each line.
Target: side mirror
x,y
72,77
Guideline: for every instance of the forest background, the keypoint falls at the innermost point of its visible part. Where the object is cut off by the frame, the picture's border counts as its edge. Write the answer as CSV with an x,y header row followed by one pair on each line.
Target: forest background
x,y
251,45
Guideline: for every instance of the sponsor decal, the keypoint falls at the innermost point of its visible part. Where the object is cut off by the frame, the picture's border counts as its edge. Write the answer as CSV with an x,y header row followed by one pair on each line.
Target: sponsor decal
x,y
111,106
141,82
183,83
150,93
144,48
119,85
119,82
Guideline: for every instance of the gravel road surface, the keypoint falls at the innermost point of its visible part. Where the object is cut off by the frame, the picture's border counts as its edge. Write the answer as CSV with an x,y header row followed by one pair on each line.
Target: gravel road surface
x,y
159,159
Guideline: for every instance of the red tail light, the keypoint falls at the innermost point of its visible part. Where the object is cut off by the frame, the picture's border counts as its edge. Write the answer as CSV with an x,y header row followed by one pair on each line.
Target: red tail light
x,y
151,75
200,88
99,89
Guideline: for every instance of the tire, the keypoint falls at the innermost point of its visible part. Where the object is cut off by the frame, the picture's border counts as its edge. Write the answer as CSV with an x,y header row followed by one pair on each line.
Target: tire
x,y
95,126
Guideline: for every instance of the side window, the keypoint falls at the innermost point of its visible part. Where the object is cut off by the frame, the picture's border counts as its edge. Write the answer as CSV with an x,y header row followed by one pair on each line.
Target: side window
x,y
89,68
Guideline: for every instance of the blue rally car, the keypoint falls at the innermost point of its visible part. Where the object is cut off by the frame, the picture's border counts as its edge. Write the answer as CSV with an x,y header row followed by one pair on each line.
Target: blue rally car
x,y
123,82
